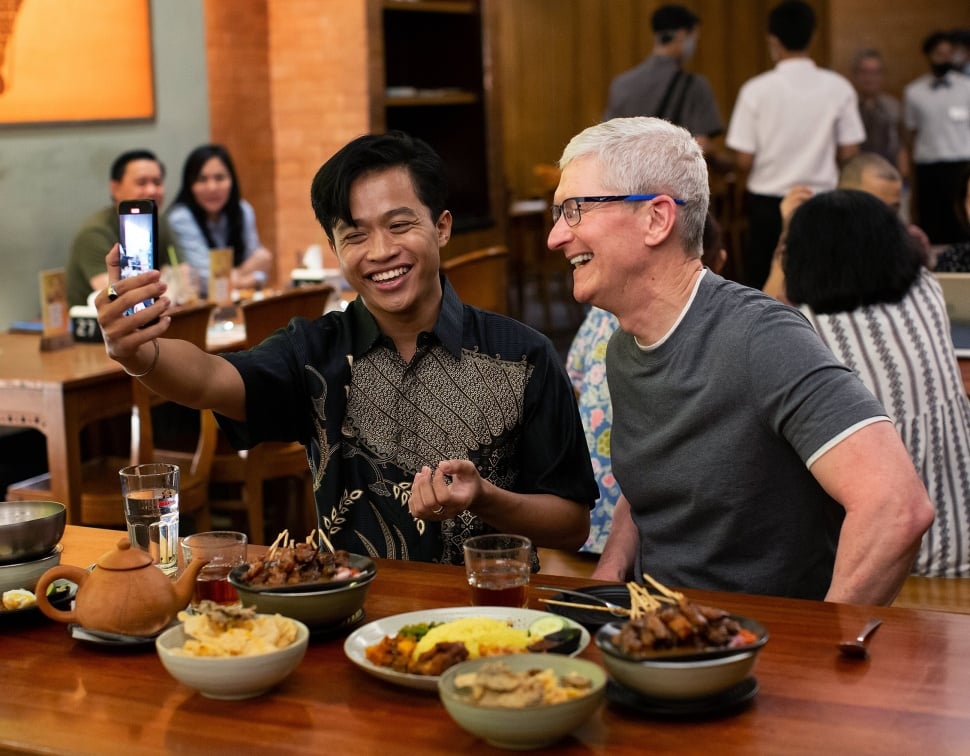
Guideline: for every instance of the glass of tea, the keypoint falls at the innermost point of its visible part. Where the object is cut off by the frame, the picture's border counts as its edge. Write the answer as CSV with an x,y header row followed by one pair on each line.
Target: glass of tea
x,y
224,549
497,566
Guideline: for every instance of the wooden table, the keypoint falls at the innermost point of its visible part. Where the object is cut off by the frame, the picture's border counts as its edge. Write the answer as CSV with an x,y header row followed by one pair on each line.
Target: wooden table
x,y
59,393
59,695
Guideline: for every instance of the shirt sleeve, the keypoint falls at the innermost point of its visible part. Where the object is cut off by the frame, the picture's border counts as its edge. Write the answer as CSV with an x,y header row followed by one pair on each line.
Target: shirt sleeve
x,y
806,394
849,128
250,235
190,238
741,134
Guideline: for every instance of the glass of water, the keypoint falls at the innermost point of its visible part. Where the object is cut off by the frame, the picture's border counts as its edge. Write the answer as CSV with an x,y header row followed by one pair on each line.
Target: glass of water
x,y
151,494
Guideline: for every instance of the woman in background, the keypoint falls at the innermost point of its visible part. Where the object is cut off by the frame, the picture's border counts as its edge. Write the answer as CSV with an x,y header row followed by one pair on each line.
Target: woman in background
x,y
854,271
209,213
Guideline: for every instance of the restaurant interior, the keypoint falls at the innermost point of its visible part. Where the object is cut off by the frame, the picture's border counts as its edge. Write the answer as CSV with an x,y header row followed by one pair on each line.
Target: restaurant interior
x,y
497,87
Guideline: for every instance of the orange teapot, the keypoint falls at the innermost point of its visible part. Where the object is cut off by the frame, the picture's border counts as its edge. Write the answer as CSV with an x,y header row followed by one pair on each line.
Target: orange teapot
x,y
125,593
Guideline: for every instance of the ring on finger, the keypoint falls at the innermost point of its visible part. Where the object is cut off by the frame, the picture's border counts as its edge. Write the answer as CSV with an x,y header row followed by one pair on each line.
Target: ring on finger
x,y
112,294
438,510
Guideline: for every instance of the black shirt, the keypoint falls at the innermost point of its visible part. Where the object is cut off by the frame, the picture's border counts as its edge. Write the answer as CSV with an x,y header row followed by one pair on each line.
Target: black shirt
x,y
481,386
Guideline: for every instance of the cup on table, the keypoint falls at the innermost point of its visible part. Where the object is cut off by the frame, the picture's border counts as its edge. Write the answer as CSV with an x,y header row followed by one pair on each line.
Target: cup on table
x,y
151,494
224,549
497,566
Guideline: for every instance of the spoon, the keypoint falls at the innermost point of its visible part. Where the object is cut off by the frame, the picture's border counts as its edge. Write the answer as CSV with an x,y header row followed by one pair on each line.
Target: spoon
x,y
857,649
616,609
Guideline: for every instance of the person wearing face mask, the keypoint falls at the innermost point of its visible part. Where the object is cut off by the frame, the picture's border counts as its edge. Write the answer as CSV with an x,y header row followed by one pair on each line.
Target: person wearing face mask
x,y
795,124
660,87
936,121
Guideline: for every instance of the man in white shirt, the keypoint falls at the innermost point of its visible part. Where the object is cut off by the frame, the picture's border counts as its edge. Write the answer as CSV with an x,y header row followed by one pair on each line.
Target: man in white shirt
x,y
936,120
792,125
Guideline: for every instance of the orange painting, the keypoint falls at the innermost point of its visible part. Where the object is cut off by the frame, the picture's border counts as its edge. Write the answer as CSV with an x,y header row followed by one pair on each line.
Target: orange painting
x,y
75,60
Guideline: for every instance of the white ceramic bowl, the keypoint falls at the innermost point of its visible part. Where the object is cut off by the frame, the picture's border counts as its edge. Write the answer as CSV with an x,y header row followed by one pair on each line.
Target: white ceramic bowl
x,y
26,574
532,727
671,679
231,677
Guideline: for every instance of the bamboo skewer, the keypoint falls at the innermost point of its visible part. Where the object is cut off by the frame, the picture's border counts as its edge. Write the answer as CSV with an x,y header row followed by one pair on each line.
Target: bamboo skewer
x,y
591,607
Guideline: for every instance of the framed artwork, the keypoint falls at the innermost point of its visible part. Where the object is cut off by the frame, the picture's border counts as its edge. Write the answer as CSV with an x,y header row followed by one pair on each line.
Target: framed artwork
x,y
75,61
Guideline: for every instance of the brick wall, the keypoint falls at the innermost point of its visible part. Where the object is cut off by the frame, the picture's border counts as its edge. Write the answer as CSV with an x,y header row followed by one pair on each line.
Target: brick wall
x,y
288,87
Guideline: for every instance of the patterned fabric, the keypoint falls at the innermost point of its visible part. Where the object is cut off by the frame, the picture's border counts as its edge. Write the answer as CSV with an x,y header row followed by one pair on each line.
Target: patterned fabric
x,y
586,366
954,258
481,387
904,353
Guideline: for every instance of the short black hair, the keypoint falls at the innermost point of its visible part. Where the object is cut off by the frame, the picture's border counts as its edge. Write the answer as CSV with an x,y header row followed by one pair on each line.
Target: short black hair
x,y
935,38
847,249
670,18
120,164
330,190
793,23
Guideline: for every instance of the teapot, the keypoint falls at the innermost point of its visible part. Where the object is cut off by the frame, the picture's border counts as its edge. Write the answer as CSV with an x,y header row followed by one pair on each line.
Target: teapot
x,y
125,593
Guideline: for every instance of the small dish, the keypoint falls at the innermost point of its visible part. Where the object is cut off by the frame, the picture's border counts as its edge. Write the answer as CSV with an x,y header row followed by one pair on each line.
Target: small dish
x,y
60,593
724,702
114,640
607,633
591,619
366,566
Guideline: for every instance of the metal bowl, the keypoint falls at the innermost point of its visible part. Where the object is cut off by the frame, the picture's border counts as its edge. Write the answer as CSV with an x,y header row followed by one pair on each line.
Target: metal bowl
x,y
29,529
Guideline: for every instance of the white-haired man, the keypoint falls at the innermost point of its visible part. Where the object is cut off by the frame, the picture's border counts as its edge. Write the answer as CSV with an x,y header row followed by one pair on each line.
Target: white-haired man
x,y
750,459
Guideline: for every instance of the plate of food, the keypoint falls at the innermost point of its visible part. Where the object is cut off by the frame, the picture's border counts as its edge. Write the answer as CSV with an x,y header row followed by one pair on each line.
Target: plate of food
x,y
21,601
413,649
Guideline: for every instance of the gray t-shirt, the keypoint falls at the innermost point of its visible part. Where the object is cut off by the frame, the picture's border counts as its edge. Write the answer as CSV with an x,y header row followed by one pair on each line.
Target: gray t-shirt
x,y
713,431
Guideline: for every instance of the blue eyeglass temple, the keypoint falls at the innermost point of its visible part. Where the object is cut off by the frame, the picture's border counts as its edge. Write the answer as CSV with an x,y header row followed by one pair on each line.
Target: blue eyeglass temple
x,y
557,209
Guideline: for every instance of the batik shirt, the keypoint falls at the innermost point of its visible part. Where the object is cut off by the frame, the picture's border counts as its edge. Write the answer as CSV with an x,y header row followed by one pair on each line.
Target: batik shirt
x,y
481,387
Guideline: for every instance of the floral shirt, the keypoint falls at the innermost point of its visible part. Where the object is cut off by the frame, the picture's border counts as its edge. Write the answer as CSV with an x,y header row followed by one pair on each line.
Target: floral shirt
x,y
481,387
586,367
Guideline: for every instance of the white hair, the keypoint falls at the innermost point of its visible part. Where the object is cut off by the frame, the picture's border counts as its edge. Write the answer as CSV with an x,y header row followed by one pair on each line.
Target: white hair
x,y
650,156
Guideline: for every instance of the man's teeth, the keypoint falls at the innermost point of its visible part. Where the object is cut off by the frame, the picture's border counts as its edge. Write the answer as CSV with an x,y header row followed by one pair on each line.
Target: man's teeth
x,y
581,259
387,275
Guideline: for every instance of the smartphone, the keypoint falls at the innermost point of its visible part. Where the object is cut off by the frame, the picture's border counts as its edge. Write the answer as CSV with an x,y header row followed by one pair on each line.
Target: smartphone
x,y
138,241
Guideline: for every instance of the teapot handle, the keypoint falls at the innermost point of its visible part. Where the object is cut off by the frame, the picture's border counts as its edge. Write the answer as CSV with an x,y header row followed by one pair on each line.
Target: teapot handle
x,y
67,571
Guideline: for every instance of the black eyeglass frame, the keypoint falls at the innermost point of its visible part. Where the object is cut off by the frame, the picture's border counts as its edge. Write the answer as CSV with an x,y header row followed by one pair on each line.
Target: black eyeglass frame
x,y
557,210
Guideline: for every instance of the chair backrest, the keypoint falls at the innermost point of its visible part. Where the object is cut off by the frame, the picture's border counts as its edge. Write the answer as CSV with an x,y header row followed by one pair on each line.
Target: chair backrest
x,y
189,323
263,317
481,278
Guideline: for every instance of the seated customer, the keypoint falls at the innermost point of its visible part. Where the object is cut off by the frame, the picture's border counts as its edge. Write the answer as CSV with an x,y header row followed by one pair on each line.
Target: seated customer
x,y
586,367
134,175
210,213
854,270
750,459
426,420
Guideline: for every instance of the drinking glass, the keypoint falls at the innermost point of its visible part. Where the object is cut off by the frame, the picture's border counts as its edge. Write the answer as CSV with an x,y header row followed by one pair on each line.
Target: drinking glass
x,y
151,494
224,549
497,566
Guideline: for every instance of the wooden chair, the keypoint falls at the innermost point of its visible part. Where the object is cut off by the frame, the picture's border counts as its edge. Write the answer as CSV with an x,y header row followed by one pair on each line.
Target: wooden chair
x,y
101,489
251,469
481,278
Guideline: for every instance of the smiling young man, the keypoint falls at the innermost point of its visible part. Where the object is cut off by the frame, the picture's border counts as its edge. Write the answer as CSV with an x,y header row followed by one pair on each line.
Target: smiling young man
x,y
749,458
426,421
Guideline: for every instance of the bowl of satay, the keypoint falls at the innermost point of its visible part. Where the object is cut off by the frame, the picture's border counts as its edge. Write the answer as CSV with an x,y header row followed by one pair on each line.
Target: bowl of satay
x,y
309,581
675,649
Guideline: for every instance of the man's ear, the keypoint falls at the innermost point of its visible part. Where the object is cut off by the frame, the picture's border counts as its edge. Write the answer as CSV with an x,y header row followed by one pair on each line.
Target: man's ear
x,y
659,220
443,225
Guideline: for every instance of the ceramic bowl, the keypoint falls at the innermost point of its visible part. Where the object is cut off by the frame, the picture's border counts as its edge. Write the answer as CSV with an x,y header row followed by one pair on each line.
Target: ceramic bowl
x,y
29,530
669,678
531,727
319,609
230,677
26,574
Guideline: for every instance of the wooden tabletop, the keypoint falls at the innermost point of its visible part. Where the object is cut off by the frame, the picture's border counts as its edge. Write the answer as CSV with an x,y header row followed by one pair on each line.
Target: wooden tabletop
x,y
59,695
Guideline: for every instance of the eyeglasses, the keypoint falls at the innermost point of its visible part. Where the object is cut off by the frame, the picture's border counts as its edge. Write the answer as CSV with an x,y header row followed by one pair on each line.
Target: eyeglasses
x,y
571,207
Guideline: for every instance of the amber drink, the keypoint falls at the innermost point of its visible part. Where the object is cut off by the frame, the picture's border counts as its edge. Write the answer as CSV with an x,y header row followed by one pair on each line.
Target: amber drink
x,y
225,549
497,567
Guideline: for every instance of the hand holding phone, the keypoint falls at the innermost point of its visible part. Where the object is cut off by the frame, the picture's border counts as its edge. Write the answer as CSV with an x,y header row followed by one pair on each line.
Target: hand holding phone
x,y
138,235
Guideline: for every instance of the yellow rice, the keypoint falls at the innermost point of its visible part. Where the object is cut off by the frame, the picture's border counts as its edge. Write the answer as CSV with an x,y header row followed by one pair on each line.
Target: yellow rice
x,y
482,636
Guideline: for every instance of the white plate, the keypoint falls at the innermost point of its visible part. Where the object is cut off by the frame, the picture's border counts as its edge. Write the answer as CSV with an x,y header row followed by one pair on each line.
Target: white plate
x,y
357,642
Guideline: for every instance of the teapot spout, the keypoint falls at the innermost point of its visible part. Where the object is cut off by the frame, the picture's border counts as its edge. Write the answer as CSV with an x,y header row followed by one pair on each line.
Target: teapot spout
x,y
186,582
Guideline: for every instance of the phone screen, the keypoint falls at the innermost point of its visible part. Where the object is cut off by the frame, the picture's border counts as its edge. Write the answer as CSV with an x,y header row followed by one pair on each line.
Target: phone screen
x,y
137,229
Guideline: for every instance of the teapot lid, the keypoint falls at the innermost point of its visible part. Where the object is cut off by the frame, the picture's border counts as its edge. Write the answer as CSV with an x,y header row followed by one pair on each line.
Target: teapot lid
x,y
124,557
